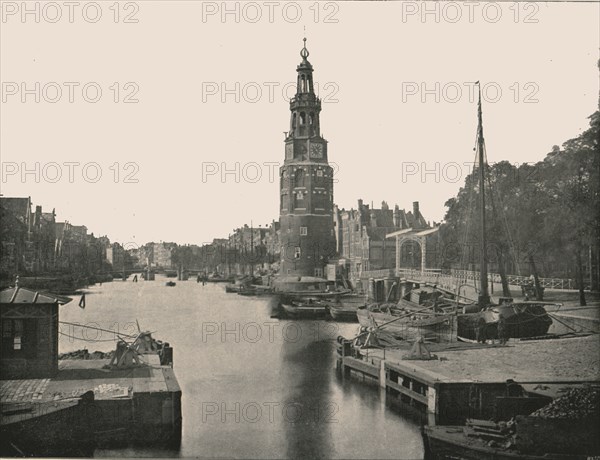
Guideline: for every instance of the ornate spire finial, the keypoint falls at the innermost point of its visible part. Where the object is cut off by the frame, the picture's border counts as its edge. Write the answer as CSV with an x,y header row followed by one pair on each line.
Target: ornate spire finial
x,y
304,52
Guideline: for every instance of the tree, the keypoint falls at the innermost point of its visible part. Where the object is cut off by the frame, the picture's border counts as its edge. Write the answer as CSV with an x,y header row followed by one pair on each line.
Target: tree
x,y
543,215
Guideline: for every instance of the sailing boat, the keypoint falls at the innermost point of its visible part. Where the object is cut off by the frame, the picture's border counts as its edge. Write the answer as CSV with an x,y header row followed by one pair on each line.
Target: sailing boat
x,y
477,321
409,324
520,319
410,321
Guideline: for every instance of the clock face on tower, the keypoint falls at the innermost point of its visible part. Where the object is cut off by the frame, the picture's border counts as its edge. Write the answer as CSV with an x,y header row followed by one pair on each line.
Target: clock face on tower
x,y
316,150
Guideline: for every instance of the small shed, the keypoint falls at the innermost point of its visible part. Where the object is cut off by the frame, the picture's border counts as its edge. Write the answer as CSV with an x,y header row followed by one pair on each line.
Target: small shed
x,y
29,325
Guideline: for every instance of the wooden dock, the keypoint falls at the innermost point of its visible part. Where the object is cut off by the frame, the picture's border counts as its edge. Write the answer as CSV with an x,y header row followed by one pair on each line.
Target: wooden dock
x,y
471,383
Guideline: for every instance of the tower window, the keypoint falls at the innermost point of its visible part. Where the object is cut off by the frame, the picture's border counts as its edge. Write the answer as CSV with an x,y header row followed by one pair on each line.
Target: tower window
x,y
299,178
303,231
311,117
19,338
297,252
302,118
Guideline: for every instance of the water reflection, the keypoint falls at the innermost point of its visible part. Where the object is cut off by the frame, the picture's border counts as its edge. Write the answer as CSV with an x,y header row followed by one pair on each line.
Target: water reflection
x,y
307,370
253,386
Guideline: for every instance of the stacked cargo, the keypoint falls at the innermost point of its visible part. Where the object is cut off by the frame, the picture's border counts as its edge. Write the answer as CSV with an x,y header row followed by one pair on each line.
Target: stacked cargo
x,y
569,425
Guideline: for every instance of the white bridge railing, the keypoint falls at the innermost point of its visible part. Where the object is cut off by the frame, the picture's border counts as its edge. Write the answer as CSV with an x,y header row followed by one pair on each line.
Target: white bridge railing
x,y
451,278
464,276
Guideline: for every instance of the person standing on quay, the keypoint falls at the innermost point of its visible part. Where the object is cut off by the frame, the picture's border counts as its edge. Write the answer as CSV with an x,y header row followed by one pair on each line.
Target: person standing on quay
x,y
502,329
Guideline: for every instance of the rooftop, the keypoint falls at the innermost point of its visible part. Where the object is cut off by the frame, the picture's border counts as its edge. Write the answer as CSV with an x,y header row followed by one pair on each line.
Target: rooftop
x,y
19,295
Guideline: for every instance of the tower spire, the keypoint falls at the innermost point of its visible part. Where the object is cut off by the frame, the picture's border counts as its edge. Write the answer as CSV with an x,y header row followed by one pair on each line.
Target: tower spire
x,y
304,52
306,186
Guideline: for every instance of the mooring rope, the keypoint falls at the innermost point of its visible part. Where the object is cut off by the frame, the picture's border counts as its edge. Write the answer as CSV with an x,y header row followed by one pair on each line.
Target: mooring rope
x,y
87,340
99,329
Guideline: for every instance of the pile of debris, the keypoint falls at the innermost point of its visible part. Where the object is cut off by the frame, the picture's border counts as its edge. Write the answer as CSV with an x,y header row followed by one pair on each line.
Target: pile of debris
x,y
568,425
85,354
575,404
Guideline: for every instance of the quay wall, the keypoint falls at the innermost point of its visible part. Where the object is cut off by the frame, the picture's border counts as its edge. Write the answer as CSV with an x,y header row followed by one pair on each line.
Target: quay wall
x,y
470,383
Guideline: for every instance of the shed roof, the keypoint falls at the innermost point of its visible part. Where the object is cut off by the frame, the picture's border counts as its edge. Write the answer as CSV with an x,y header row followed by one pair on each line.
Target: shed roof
x,y
19,295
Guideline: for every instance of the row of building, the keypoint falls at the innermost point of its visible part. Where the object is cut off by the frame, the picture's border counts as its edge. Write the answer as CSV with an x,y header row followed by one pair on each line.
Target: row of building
x,y
35,243
365,240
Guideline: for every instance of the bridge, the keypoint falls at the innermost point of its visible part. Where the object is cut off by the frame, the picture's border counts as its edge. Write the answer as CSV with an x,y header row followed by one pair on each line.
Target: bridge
x,y
465,279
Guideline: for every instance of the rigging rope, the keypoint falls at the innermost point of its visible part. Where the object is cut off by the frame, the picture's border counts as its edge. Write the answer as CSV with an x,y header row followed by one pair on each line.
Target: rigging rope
x,y
87,340
512,252
100,329
471,196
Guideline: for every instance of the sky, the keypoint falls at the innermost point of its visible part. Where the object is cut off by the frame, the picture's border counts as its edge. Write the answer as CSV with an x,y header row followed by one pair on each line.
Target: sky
x,y
164,121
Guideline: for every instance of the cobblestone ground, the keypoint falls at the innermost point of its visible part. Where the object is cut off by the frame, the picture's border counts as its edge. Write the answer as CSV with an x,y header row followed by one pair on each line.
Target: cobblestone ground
x,y
22,390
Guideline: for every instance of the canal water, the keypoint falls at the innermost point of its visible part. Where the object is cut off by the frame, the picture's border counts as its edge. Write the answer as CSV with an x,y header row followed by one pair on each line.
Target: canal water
x,y
254,386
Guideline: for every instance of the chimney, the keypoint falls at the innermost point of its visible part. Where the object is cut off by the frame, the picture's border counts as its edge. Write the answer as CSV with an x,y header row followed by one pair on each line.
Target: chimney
x,y
373,219
38,216
416,209
360,204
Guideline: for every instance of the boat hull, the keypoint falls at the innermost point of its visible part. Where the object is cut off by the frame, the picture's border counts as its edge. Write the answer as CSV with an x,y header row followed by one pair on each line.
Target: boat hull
x,y
302,310
437,328
343,313
521,321
344,307
450,442
256,290
50,430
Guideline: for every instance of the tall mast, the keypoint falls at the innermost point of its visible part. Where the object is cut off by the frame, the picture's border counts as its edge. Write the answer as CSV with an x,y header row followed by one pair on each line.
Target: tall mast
x,y
251,249
484,296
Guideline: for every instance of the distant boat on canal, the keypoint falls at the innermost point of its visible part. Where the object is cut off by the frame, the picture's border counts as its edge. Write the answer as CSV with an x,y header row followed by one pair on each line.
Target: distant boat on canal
x,y
305,307
256,290
308,286
218,278
308,296
345,308
241,284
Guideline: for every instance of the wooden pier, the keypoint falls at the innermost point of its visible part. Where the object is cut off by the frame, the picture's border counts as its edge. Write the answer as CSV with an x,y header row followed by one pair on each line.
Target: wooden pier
x,y
132,398
134,405
472,383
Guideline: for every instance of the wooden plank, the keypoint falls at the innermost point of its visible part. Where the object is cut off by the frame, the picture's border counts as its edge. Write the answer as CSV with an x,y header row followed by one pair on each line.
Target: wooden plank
x,y
361,366
171,380
157,387
482,423
420,374
407,391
